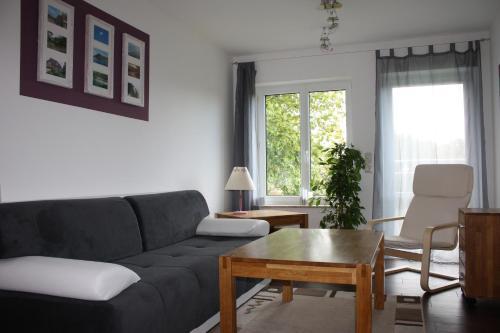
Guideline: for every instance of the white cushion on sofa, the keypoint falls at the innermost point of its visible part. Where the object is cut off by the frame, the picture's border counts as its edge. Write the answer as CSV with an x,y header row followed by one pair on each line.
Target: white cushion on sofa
x,y
210,226
81,279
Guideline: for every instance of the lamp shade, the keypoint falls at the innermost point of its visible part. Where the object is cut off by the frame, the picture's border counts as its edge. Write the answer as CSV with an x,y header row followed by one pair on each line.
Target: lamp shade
x,y
240,180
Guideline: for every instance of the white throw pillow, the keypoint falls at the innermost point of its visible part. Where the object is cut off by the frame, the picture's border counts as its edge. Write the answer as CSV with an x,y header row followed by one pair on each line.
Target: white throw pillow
x,y
81,279
210,226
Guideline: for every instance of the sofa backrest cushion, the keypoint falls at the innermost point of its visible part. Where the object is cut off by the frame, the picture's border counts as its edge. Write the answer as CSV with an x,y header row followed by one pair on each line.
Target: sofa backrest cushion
x,y
168,218
104,229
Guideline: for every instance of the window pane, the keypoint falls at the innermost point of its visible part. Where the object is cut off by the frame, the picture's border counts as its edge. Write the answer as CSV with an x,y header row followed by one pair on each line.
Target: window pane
x,y
283,144
429,127
327,114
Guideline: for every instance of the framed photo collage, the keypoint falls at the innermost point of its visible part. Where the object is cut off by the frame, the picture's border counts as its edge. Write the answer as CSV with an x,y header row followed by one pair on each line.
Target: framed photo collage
x,y
56,23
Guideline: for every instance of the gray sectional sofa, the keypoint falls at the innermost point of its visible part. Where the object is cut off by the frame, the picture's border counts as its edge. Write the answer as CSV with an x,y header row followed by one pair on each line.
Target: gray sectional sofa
x,y
153,235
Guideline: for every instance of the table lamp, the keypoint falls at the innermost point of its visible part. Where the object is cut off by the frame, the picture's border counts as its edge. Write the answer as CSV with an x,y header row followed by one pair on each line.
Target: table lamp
x,y
240,180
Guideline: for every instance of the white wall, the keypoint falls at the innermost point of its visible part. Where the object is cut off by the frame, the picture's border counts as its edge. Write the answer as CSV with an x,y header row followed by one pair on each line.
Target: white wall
x,y
495,63
50,150
356,63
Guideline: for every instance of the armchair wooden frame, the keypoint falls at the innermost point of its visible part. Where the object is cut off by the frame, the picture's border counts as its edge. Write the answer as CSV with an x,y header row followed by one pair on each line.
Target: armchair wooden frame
x,y
424,258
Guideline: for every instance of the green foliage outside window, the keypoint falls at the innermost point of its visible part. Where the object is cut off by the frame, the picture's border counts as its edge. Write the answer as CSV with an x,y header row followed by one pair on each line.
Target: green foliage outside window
x,y
327,117
283,144
327,114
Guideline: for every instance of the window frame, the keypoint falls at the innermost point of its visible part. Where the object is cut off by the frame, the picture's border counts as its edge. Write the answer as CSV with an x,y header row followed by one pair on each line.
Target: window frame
x,y
303,89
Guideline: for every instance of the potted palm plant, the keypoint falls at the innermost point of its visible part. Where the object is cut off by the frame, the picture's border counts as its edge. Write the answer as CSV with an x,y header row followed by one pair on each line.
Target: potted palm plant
x,y
341,188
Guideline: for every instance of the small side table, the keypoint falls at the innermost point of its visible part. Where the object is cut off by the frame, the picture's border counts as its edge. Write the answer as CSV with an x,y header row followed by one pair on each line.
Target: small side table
x,y
276,218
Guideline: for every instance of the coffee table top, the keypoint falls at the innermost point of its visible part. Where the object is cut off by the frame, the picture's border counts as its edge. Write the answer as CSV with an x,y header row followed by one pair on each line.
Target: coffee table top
x,y
323,247
262,213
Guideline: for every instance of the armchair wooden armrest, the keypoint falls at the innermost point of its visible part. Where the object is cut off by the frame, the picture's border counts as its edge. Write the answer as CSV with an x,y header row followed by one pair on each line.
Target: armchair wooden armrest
x,y
426,259
372,223
427,239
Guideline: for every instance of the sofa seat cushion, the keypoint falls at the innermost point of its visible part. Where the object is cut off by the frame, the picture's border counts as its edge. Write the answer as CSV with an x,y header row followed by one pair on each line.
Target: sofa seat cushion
x,y
178,288
204,246
194,266
138,308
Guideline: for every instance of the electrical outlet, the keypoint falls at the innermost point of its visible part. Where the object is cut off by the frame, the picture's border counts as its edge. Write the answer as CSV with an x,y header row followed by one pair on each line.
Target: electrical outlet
x,y
368,162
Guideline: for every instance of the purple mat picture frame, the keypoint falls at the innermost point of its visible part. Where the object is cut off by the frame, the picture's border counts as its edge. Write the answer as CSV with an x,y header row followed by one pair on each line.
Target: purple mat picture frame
x,y
29,86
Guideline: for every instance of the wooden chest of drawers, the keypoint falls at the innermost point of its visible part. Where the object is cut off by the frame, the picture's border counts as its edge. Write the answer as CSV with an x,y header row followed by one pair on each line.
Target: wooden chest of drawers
x,y
479,245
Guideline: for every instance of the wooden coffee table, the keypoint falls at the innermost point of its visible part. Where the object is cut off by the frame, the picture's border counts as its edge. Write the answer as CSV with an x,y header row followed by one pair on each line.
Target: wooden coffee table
x,y
276,218
314,255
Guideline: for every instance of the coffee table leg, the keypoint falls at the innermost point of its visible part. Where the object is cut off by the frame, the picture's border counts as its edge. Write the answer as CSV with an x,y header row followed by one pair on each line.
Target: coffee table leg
x,y
363,299
380,278
227,296
287,295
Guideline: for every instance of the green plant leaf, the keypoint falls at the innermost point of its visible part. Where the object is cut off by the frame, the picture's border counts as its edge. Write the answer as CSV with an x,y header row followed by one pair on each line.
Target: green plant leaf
x,y
341,187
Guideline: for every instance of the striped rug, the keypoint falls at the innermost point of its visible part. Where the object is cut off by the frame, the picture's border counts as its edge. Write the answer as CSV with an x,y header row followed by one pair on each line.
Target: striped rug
x,y
319,310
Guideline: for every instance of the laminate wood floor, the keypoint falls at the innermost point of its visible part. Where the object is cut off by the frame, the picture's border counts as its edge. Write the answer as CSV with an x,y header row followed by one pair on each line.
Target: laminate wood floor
x,y
445,312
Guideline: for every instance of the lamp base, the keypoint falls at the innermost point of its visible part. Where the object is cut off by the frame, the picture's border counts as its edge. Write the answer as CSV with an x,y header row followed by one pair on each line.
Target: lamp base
x,y
240,212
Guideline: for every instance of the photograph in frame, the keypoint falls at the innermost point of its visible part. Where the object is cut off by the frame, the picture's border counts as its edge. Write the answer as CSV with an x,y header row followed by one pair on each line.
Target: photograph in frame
x,y
133,70
55,43
99,57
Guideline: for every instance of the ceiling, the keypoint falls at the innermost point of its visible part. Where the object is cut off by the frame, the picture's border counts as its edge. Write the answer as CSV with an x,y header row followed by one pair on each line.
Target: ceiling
x,y
254,26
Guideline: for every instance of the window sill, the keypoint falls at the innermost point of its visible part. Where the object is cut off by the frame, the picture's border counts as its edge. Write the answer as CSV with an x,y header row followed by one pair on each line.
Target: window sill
x,y
291,206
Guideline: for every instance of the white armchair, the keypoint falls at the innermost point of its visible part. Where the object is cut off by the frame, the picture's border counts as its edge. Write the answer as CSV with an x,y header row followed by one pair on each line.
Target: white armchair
x,y
431,222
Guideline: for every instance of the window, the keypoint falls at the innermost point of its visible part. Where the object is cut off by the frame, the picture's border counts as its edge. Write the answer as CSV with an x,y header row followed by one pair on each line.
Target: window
x,y
327,117
283,144
429,127
296,124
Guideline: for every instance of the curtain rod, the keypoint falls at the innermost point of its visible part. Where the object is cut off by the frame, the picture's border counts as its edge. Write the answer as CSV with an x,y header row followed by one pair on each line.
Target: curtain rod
x,y
365,50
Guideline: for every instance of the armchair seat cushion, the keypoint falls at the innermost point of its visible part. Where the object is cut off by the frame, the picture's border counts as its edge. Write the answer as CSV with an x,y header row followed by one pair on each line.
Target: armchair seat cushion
x,y
399,242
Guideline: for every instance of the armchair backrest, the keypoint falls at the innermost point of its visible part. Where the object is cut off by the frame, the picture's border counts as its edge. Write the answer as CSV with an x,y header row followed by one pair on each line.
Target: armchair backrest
x,y
440,190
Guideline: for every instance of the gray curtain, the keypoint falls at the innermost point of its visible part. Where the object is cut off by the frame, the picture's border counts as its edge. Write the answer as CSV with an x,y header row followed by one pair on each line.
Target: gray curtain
x,y
244,136
450,67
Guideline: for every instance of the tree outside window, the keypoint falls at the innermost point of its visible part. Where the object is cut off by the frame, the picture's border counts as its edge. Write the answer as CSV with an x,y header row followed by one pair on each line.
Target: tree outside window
x,y
325,115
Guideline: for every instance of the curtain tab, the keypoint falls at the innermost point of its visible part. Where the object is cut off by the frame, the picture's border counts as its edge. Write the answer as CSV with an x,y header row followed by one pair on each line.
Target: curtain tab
x,y
431,49
391,52
452,47
410,51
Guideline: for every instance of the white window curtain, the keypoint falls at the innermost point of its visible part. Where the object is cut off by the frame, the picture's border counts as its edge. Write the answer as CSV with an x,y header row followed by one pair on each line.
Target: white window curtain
x,y
429,110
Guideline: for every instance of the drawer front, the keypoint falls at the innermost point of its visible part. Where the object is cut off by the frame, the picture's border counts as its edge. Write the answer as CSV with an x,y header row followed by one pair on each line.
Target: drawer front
x,y
462,257
461,237
461,251
285,220
462,247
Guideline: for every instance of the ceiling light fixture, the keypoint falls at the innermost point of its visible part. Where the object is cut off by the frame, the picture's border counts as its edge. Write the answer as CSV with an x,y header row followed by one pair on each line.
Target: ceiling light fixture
x,y
331,7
